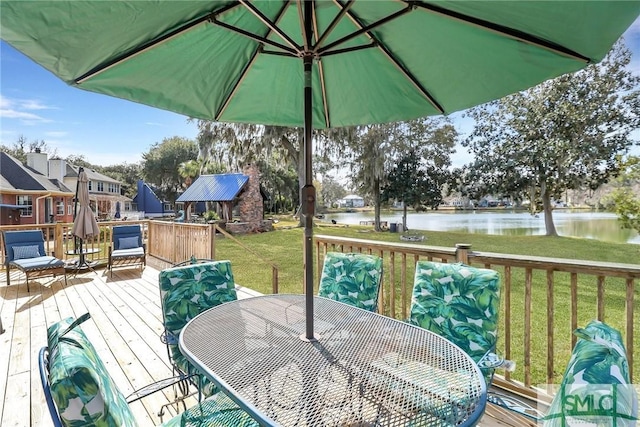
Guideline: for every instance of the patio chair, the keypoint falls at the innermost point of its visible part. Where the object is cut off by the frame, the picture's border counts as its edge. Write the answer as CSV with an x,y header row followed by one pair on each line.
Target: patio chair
x,y
595,388
79,390
25,251
126,247
352,278
460,303
185,291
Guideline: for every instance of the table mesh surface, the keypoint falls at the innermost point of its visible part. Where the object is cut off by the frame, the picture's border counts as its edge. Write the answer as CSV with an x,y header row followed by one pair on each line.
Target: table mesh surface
x,y
363,370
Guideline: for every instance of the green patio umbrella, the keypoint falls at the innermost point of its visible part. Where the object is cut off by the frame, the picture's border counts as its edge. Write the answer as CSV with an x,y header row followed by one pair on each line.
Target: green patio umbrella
x,y
312,63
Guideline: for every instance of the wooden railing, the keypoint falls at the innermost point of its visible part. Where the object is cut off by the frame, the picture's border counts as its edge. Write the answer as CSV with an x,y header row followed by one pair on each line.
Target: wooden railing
x,y
543,300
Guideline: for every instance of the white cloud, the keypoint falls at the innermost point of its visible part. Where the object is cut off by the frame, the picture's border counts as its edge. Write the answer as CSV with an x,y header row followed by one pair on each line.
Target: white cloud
x,y
21,109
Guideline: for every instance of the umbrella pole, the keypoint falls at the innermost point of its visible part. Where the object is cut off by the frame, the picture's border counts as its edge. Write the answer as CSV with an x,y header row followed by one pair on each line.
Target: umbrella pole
x,y
308,191
75,211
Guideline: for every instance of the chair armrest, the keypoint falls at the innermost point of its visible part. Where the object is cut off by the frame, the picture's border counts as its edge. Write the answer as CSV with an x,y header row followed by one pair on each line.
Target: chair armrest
x,y
494,361
156,386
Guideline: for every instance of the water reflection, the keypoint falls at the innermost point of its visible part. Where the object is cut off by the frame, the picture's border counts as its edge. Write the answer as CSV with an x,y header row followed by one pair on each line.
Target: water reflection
x,y
593,225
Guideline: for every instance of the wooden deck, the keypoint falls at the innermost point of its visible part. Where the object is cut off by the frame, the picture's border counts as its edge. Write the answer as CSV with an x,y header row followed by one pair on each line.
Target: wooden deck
x,y
125,328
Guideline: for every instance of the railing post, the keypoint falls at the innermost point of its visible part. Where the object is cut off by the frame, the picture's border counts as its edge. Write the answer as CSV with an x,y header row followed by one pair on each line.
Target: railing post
x,y
212,240
274,279
57,246
462,252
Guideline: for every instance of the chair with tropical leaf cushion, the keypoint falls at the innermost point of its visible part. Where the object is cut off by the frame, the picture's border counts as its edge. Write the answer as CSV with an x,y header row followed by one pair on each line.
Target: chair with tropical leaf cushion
x,y
80,392
598,372
352,278
185,292
460,303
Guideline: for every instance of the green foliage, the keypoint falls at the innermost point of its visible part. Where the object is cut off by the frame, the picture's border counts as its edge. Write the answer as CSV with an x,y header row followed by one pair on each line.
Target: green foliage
x,y
562,134
21,147
127,173
624,200
210,216
161,165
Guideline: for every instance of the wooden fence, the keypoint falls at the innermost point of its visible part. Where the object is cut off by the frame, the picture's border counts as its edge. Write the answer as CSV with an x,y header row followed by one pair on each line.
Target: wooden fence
x,y
543,300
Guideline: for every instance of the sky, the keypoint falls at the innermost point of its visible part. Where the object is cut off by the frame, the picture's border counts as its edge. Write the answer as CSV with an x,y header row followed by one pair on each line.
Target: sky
x,y
107,131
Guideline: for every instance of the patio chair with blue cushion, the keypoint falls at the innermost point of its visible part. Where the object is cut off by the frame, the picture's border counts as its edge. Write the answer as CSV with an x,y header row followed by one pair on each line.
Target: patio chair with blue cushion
x,y
186,291
352,278
126,247
460,303
80,392
25,251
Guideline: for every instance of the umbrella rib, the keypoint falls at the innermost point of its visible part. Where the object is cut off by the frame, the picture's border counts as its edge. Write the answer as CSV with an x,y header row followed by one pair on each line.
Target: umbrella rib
x,y
236,86
246,69
272,26
389,55
343,10
323,86
363,29
257,38
151,44
505,31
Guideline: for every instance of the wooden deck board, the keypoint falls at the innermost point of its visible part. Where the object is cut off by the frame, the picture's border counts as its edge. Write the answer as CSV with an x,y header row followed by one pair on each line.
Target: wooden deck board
x,y
125,326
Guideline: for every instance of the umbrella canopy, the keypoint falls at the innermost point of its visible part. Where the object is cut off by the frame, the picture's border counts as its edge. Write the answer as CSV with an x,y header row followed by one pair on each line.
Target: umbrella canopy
x,y
84,224
313,63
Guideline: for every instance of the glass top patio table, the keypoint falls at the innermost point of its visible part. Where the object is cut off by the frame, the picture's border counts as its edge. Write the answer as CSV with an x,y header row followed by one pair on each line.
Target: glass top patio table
x,y
364,369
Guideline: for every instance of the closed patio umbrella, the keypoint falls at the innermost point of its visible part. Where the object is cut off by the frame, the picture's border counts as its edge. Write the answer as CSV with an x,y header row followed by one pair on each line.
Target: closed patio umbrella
x,y
84,223
313,63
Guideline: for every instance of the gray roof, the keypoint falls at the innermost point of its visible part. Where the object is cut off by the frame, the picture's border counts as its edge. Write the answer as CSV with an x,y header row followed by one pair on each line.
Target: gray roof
x,y
215,188
16,176
92,175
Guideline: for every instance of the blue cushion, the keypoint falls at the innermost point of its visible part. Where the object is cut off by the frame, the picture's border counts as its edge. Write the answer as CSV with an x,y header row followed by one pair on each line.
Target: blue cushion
x,y
22,252
128,242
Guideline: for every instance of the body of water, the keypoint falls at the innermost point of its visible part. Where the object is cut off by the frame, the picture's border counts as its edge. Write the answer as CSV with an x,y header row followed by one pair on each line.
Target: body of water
x,y
593,225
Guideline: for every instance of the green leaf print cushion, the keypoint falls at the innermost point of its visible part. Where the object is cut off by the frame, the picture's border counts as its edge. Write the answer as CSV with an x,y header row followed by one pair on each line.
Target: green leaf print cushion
x,y
460,303
81,387
352,278
187,291
595,387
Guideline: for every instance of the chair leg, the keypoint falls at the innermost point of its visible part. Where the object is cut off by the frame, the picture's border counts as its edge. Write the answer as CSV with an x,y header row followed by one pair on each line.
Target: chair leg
x,y
8,277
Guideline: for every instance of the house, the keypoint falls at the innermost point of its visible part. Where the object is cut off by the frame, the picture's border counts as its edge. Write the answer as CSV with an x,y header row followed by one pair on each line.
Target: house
x,y
46,187
149,204
351,201
105,195
39,197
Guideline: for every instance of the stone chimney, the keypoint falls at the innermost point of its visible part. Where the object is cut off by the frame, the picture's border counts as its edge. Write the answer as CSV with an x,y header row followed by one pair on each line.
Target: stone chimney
x,y
38,161
57,169
250,205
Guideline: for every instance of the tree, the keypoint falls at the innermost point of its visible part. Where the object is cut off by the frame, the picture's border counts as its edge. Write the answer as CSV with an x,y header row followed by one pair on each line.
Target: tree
x,y
21,147
189,170
161,164
128,174
625,199
332,191
371,151
415,184
562,134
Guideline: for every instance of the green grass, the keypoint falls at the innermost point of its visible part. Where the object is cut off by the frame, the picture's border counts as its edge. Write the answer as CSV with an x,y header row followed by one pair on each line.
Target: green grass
x,y
283,247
